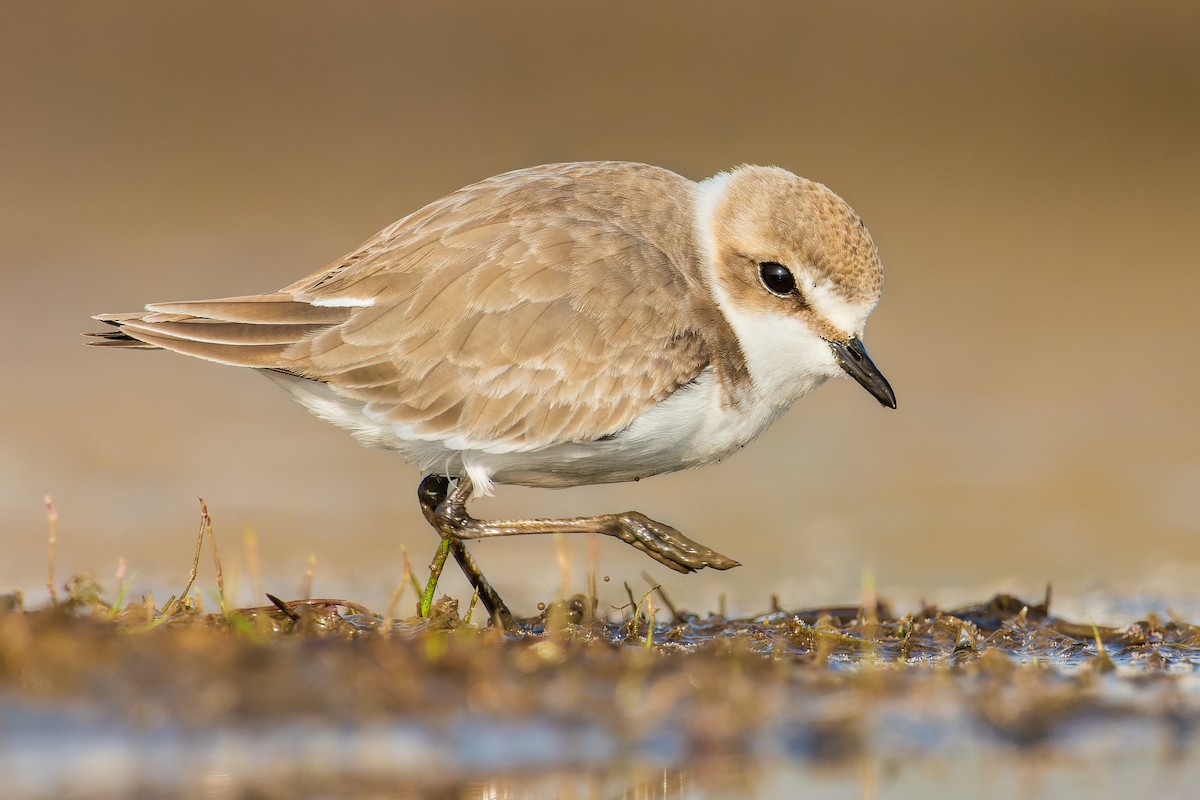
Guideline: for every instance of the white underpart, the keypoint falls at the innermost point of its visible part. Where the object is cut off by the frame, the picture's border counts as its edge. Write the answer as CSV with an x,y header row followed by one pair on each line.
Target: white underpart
x,y
690,428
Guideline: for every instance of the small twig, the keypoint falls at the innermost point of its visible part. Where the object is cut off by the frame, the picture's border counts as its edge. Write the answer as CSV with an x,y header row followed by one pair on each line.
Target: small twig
x,y
123,584
649,598
557,614
593,551
870,597
662,595
564,566
212,540
1103,661
471,607
435,572
634,605
318,602
394,605
51,546
176,602
409,575
282,606
406,579
309,574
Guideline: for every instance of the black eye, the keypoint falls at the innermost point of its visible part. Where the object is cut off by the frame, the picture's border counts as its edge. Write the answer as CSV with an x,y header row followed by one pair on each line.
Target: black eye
x,y
777,277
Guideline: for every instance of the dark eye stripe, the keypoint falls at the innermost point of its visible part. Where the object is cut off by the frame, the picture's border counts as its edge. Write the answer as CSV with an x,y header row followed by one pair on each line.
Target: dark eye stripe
x,y
777,278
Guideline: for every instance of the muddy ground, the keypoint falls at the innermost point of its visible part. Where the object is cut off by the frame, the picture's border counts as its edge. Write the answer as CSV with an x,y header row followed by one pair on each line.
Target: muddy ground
x,y
105,697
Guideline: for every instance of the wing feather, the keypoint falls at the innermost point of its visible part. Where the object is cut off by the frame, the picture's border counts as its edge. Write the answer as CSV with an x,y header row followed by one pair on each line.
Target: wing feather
x,y
544,306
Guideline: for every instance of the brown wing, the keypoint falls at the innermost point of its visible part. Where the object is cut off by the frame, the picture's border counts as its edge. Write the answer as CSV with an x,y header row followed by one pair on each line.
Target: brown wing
x,y
538,307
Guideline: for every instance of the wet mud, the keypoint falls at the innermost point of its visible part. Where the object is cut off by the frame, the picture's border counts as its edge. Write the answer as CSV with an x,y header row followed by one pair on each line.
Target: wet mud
x,y
324,697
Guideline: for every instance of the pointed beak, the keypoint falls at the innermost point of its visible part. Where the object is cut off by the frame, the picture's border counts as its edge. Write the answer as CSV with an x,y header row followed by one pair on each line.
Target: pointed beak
x,y
852,357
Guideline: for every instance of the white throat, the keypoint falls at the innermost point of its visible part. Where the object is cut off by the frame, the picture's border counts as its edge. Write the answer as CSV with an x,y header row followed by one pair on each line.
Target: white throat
x,y
785,358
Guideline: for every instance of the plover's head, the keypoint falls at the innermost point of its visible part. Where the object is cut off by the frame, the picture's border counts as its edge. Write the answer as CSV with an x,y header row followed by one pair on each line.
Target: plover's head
x,y
796,274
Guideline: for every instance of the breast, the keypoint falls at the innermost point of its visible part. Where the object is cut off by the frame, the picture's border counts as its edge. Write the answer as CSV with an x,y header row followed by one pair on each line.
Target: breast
x,y
691,428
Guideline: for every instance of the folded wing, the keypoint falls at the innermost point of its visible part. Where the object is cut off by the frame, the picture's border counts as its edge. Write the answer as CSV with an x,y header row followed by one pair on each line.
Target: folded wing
x,y
535,308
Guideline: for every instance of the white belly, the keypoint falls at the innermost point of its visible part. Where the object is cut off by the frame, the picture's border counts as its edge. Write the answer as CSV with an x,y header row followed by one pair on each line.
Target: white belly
x,y
688,429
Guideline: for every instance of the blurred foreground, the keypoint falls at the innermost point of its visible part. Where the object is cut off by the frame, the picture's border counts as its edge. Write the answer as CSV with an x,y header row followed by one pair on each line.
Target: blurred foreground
x,y
322,697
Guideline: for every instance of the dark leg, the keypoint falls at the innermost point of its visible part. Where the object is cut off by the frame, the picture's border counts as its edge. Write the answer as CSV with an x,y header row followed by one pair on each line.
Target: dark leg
x,y
432,494
661,542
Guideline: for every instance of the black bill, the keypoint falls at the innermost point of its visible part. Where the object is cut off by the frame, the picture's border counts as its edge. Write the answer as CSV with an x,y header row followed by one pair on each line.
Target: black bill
x,y
852,357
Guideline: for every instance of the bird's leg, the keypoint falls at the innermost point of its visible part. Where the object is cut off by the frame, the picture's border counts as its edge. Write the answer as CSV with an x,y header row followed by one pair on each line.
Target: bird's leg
x,y
661,542
434,493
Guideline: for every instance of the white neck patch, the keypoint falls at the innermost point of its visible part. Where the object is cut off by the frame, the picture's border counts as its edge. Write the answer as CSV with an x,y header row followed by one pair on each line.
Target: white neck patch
x,y
708,194
786,359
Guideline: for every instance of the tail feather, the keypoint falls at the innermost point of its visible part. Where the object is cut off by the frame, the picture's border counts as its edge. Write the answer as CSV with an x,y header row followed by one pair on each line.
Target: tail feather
x,y
216,332
261,309
253,331
116,339
257,356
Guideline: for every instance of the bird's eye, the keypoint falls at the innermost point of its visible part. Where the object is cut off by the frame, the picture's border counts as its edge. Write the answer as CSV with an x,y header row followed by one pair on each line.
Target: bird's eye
x,y
777,278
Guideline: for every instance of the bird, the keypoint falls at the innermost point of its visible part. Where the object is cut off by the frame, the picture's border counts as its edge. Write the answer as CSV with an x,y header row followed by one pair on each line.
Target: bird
x,y
561,325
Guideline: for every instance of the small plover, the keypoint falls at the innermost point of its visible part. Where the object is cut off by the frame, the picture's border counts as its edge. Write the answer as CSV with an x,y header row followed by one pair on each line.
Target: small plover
x,y
562,325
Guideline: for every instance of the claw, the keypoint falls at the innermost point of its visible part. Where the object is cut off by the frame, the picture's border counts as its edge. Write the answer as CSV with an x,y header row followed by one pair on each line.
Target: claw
x,y
666,545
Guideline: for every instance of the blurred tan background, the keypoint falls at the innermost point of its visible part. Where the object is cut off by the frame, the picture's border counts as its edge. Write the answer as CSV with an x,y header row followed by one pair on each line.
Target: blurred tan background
x,y
1030,172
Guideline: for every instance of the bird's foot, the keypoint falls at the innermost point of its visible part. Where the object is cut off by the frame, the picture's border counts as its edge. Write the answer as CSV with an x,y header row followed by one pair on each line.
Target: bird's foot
x,y
444,505
663,543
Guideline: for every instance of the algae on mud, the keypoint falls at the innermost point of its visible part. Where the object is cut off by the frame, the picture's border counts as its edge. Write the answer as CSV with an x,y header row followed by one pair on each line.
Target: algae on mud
x,y
284,698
